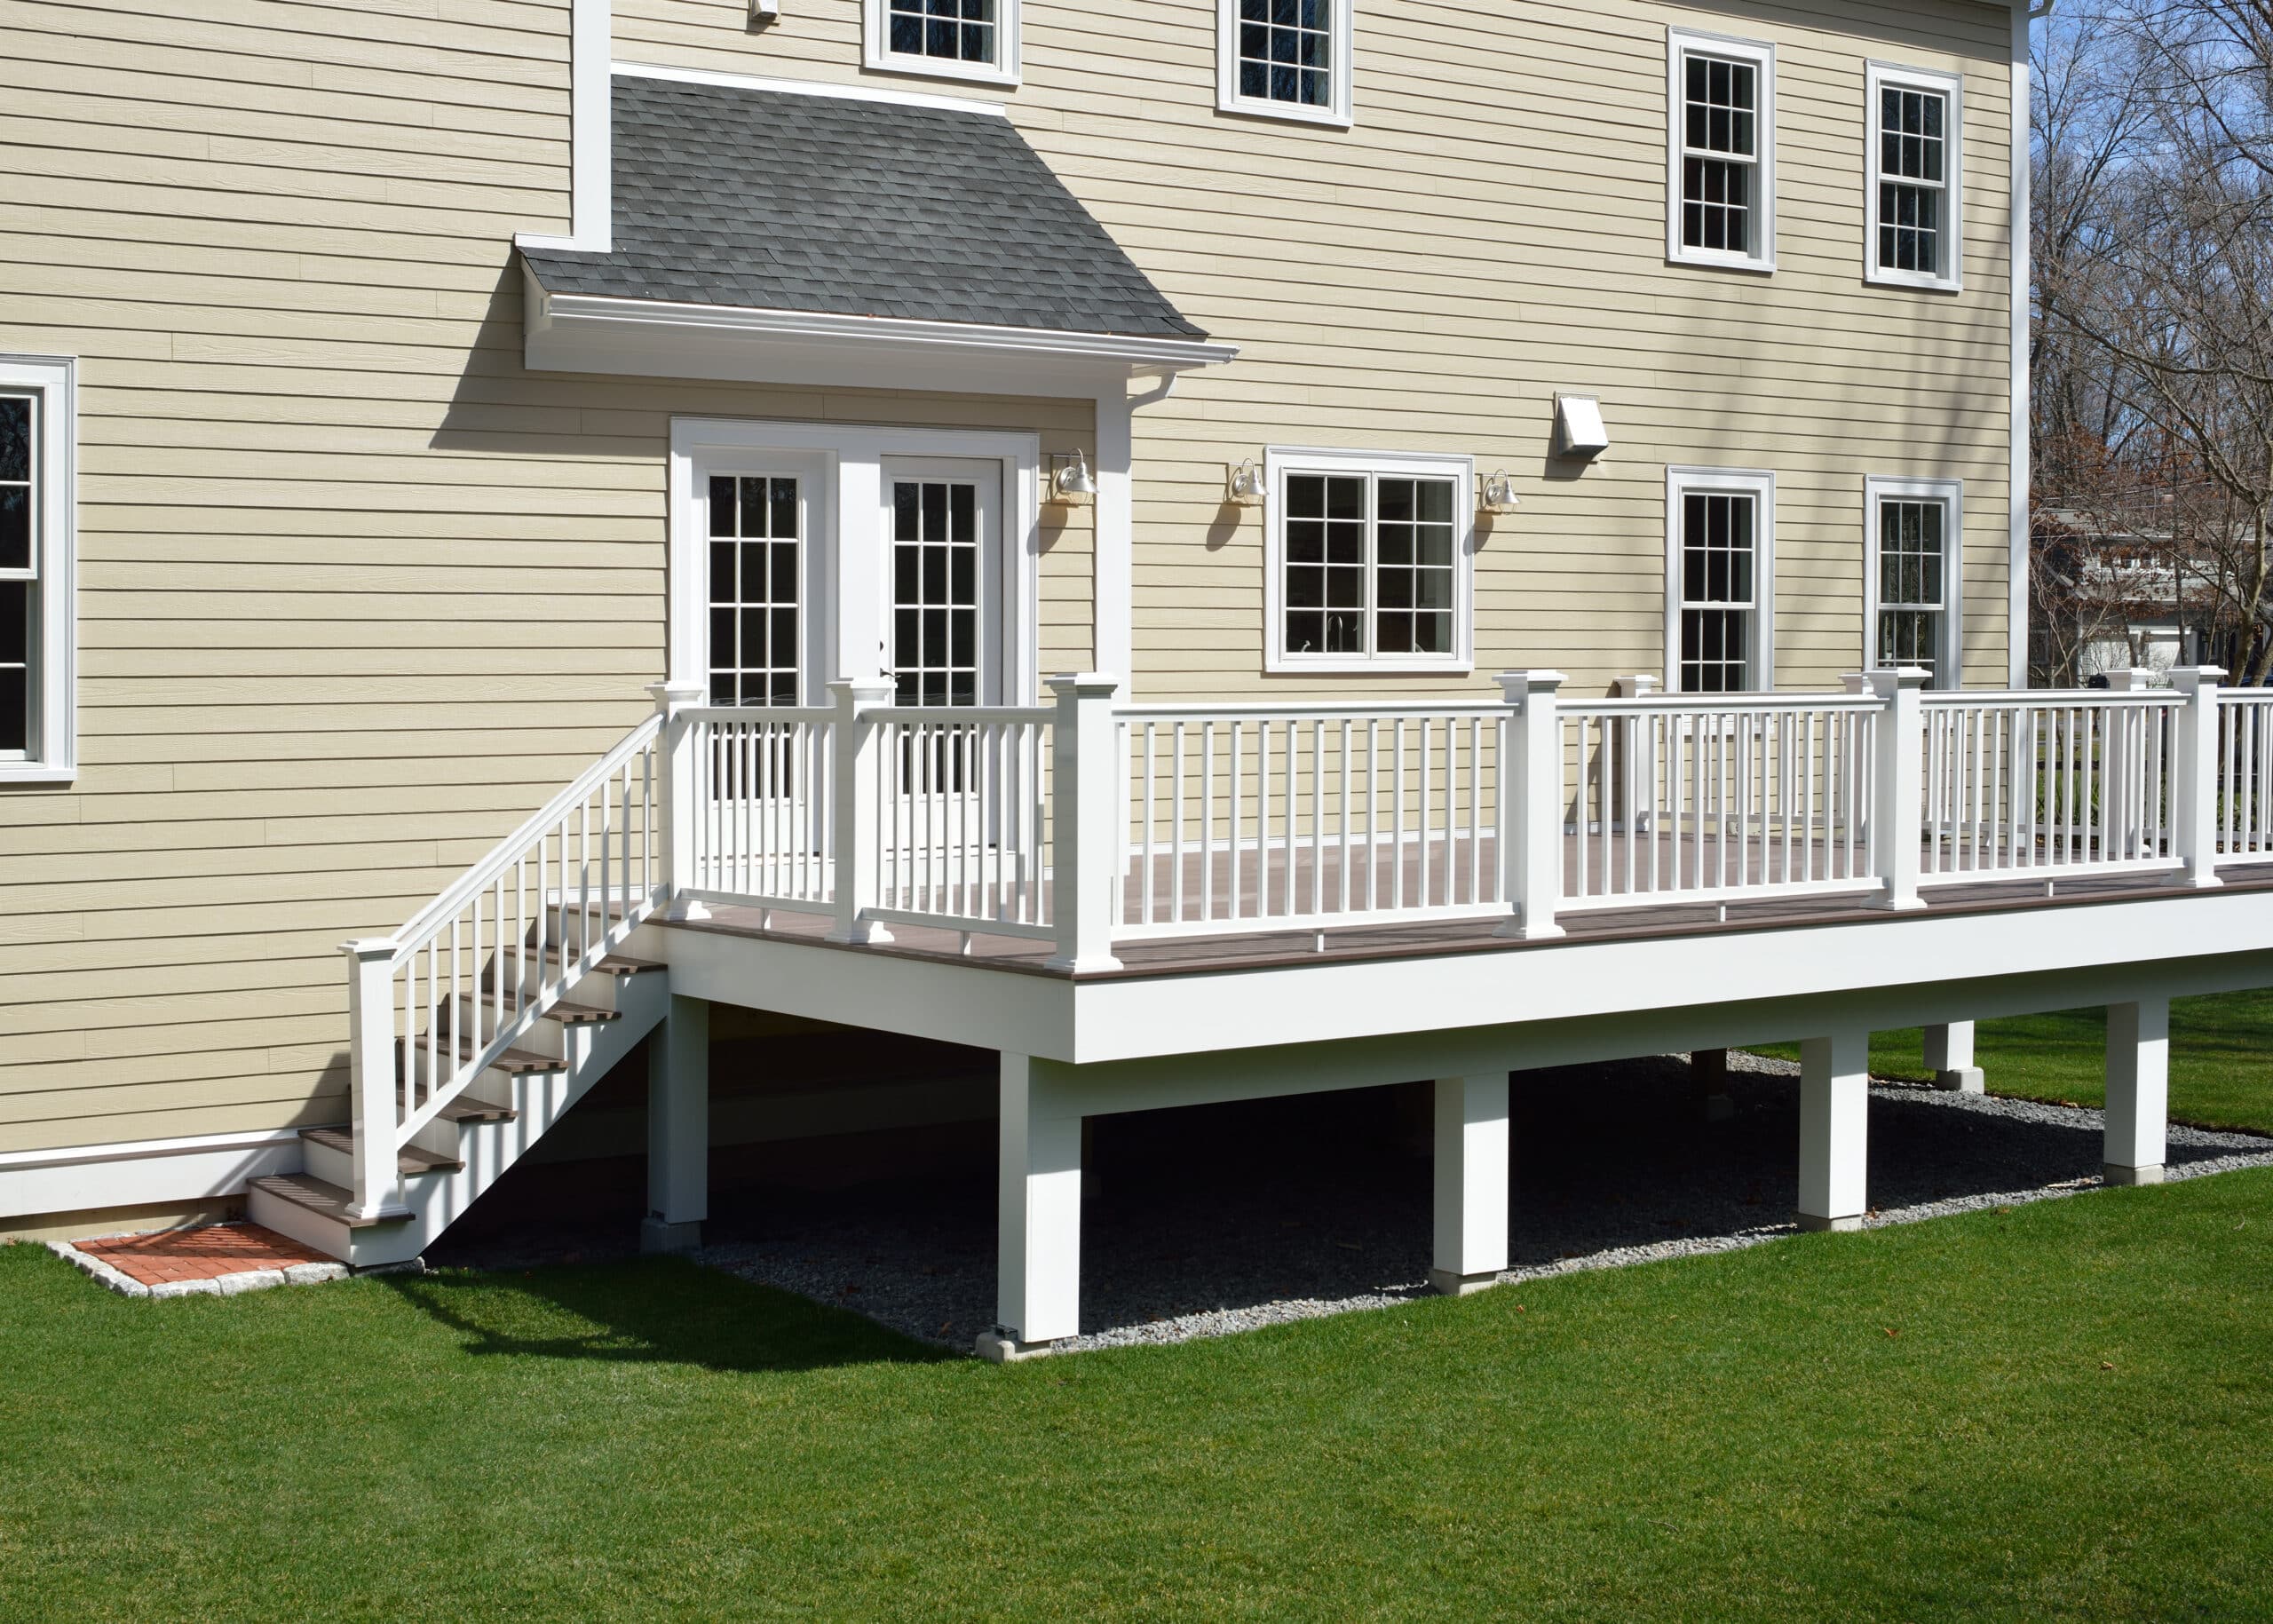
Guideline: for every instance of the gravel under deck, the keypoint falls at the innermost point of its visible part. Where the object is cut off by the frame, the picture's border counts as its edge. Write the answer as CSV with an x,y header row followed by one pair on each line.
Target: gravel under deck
x,y
1187,1233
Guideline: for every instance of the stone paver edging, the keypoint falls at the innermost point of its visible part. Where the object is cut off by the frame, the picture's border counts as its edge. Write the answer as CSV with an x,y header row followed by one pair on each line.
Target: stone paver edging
x,y
214,1286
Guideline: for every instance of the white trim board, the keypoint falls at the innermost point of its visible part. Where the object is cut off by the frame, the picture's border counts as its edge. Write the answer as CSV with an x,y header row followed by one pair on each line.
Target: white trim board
x,y
142,1172
592,135
2017,282
808,87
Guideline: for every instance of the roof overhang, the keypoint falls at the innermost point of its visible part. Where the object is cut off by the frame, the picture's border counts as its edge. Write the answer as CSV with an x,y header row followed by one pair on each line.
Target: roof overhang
x,y
566,332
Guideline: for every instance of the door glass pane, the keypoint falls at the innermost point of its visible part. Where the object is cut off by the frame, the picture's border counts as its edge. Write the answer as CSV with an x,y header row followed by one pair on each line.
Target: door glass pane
x,y
935,591
1716,589
754,519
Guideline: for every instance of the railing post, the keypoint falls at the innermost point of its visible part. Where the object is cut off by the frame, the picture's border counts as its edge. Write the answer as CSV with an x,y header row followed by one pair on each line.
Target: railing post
x,y
675,783
857,816
2194,775
1085,815
1529,844
1898,795
372,1077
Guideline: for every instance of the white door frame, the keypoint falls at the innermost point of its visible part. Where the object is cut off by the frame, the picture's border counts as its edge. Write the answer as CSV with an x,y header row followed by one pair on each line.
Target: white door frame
x,y
851,632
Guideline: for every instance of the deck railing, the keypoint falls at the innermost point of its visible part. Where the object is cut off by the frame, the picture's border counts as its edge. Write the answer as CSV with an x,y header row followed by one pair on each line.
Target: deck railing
x,y
1083,825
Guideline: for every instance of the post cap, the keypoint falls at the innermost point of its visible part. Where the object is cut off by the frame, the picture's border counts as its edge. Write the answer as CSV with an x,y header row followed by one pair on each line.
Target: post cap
x,y
671,696
864,690
2194,678
2131,679
1083,685
1517,685
1889,681
363,949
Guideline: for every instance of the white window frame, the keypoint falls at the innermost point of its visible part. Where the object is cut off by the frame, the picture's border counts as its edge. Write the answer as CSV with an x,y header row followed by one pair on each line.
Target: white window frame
x,y
1759,483
1338,114
52,755
1680,45
877,56
1281,461
1949,277
1948,671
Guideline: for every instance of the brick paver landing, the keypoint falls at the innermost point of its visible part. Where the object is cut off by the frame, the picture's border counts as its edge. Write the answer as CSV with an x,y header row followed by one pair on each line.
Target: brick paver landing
x,y
199,1253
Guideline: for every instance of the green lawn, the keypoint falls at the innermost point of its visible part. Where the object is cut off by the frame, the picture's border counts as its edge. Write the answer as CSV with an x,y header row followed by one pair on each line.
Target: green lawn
x,y
2220,1058
2061,1410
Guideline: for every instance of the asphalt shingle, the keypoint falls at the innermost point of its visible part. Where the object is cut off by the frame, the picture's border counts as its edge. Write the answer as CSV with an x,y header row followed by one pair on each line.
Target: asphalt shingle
x,y
774,199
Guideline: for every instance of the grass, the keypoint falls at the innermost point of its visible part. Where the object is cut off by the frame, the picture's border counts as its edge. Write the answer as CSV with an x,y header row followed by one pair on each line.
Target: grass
x,y
2220,1058
2063,1410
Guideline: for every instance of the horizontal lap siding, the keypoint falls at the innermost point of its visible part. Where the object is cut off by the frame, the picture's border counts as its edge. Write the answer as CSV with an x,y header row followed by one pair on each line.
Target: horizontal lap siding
x,y
357,593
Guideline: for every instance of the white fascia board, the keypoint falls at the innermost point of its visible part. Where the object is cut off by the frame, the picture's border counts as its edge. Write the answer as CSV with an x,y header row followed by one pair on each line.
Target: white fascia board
x,y
809,87
143,1172
655,338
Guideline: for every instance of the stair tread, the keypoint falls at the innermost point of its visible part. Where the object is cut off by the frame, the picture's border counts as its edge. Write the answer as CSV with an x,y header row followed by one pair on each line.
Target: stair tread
x,y
411,1159
466,1108
566,1009
326,1201
614,964
510,1060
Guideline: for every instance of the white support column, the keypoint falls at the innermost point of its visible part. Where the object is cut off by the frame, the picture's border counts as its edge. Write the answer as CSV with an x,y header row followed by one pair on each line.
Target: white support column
x,y
679,796
375,1084
1897,804
1113,641
2138,1091
1949,1055
1471,1183
2194,776
1529,839
1834,1124
678,1128
1086,819
1038,1291
857,778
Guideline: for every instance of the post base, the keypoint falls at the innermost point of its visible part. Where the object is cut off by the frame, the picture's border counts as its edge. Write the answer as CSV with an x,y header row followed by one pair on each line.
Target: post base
x,y
860,935
1001,1348
1445,1283
2151,1174
1097,964
1847,1226
658,1236
687,908
1963,1080
1521,931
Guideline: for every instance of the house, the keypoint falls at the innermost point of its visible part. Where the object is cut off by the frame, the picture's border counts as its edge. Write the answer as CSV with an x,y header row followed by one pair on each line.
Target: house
x,y
1205,550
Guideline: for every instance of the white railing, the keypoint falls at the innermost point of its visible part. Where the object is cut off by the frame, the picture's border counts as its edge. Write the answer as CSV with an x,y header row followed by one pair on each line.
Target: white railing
x,y
2032,783
763,785
433,1006
961,818
2244,770
1275,817
1721,797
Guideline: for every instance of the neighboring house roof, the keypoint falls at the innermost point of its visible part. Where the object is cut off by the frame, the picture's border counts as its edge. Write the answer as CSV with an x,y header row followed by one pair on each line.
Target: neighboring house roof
x,y
772,200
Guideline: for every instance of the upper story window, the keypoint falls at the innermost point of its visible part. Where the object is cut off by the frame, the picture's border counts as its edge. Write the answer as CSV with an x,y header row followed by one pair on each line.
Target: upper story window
x,y
37,539
1370,563
1911,574
1720,580
951,39
1916,201
1721,151
1285,59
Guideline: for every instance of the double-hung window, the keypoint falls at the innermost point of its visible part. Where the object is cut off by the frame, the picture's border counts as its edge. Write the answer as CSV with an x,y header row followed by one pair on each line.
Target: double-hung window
x,y
1720,580
1370,562
1721,151
948,39
1911,575
38,740
1915,198
1284,59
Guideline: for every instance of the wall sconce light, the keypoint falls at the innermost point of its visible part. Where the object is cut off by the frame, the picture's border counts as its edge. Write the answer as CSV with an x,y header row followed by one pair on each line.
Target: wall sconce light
x,y
1067,480
1498,493
1243,484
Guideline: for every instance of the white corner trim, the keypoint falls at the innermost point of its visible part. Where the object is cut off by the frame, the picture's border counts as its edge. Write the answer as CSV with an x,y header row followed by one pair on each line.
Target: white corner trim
x,y
592,157
810,87
143,1172
1951,492
1278,462
1761,54
52,752
2018,279
1112,642
1761,483
1341,115
877,56
1950,278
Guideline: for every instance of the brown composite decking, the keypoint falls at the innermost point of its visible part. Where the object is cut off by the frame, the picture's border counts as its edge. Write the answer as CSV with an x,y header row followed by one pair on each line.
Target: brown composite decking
x,y
1309,940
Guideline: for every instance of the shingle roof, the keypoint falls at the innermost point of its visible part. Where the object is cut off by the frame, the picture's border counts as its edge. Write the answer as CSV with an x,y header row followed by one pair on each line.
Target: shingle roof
x,y
774,199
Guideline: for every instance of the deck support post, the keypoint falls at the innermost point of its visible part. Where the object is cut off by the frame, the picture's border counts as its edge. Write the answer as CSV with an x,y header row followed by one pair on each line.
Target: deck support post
x,y
1038,1291
2194,776
1898,803
1834,1125
1949,1055
2138,1091
678,1128
1471,1183
857,783
1528,843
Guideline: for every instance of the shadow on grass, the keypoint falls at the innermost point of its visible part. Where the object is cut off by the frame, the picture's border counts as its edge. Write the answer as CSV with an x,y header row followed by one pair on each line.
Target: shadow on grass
x,y
654,1311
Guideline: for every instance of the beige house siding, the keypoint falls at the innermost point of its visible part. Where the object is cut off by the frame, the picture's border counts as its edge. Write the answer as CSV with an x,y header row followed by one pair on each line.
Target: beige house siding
x,y
358,593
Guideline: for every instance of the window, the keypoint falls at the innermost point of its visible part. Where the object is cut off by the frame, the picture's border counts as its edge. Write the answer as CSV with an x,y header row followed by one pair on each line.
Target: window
x,y
757,524
37,741
1911,574
1916,143
1721,151
1720,580
948,39
1286,58
1370,562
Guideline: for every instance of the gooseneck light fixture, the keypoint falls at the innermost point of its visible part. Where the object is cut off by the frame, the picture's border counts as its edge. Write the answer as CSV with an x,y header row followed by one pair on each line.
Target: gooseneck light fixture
x,y
1498,493
1067,482
1243,484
